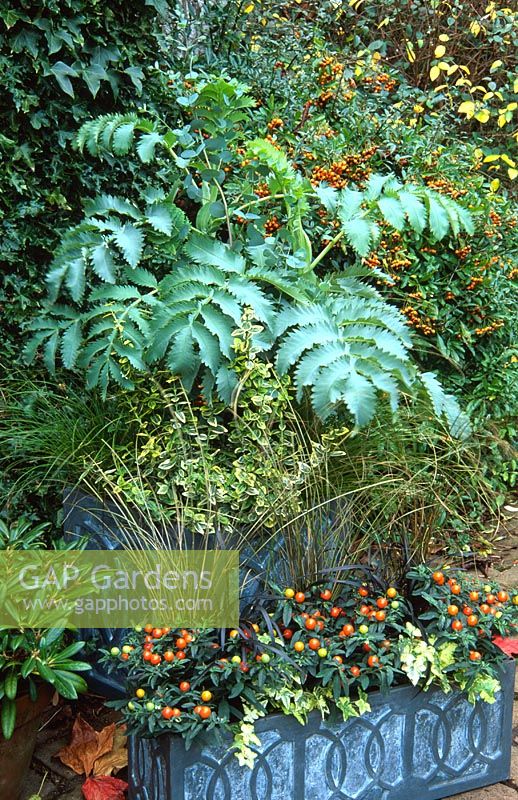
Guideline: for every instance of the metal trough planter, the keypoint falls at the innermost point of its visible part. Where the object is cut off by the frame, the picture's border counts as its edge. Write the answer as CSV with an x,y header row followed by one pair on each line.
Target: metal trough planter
x,y
411,746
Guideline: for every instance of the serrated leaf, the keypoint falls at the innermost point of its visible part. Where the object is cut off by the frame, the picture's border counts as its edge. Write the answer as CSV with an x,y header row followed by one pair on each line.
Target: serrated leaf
x,y
123,138
102,263
210,353
75,280
160,218
226,382
147,145
349,204
360,398
131,242
437,218
358,234
220,326
414,209
205,250
392,211
70,343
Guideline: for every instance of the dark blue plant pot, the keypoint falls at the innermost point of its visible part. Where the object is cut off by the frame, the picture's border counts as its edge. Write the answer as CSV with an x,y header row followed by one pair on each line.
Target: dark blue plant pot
x,y
412,745
86,517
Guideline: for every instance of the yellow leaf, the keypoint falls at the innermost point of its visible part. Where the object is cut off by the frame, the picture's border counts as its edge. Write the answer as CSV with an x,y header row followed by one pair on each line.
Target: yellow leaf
x,y
249,8
509,161
439,51
410,52
465,69
494,66
444,37
467,107
495,185
502,119
452,69
475,28
482,115
512,107
513,173
515,86
443,65
384,22
493,157
434,73
478,153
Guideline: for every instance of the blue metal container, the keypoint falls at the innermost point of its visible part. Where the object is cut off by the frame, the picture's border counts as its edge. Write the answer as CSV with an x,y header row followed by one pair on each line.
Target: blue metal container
x,y
412,745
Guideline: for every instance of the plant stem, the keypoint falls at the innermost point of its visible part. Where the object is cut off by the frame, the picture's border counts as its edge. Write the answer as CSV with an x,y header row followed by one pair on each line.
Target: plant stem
x,y
326,250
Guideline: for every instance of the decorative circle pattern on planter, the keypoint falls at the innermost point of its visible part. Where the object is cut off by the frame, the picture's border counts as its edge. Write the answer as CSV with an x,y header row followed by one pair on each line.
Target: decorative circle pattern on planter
x,y
412,746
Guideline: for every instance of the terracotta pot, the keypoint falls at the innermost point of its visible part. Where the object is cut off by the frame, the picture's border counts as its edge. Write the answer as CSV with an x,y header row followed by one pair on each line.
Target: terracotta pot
x,y
16,753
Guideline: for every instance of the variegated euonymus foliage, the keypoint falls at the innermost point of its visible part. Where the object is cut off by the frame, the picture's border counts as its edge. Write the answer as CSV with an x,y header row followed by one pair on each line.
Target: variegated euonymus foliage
x,y
139,283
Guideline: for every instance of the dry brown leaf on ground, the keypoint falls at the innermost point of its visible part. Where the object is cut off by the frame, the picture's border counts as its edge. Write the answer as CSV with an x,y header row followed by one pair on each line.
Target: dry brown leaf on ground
x,y
104,788
117,758
86,746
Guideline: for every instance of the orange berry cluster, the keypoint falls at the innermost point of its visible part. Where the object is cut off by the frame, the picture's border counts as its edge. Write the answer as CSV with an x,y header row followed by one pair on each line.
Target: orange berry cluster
x,y
380,83
272,225
329,69
474,282
351,167
423,324
324,98
463,252
488,329
274,123
262,190
444,186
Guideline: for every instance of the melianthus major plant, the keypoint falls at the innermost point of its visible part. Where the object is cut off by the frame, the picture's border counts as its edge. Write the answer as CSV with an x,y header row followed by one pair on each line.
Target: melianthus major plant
x,y
155,284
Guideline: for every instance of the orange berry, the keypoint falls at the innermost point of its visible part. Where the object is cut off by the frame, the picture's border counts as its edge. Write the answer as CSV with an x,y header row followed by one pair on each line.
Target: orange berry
x,y
298,646
438,578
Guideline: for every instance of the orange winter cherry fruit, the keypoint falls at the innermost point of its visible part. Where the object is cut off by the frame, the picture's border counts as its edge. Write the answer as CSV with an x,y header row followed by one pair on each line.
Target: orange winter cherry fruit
x,y
325,594
472,620
184,686
474,655
453,610
391,592
457,625
438,578
382,602
300,597
373,661
314,644
311,624
298,646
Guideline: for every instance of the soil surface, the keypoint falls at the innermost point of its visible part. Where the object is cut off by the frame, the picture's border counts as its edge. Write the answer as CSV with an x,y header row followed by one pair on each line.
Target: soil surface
x,y
60,783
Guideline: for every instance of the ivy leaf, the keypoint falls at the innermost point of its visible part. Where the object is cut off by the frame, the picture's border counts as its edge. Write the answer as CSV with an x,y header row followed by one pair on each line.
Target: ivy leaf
x,y
62,72
131,242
